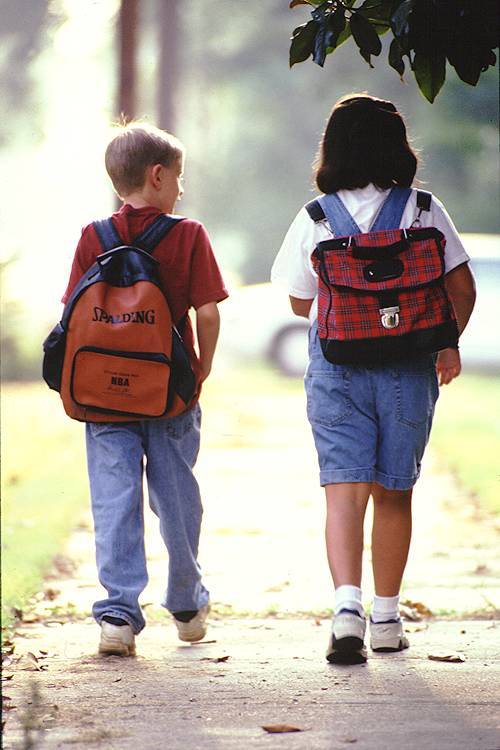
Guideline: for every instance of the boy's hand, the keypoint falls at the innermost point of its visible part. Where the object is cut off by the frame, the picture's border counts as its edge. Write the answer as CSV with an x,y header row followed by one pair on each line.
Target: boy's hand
x,y
207,329
205,371
448,365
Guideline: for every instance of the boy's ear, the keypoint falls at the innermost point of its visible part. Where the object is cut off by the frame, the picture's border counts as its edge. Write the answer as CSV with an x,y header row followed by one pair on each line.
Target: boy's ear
x,y
155,174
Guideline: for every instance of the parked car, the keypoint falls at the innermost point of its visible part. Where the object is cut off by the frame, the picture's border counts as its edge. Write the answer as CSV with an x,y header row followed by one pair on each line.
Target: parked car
x,y
257,322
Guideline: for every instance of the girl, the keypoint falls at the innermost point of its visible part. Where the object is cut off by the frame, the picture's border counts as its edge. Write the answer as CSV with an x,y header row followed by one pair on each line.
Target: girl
x,y
370,423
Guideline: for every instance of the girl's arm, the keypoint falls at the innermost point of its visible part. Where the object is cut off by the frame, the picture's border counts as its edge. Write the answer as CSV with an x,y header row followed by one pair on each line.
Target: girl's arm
x,y
461,291
301,307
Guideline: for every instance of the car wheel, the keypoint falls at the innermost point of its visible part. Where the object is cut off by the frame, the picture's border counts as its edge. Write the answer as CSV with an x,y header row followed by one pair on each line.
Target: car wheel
x,y
288,350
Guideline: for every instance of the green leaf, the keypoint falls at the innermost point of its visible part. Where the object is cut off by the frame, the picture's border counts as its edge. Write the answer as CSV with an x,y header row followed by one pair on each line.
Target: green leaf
x,y
430,73
399,19
321,45
396,58
365,37
378,12
336,24
303,39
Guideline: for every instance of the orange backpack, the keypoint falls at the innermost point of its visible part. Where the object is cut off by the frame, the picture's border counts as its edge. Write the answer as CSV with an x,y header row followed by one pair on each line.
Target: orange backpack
x,y
116,356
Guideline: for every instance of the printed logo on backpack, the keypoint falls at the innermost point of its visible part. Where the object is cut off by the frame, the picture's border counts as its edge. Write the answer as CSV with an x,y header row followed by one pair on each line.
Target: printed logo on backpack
x,y
116,355
381,294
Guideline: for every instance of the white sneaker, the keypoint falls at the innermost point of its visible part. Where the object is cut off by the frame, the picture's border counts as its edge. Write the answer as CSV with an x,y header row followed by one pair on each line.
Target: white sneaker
x,y
388,636
116,639
346,644
196,628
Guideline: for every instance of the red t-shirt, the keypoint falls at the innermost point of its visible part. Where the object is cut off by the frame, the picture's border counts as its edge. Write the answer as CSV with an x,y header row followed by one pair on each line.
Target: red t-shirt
x,y
189,273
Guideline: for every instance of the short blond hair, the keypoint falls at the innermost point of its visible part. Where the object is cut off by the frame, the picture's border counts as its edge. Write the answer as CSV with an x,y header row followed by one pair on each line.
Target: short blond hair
x,y
134,148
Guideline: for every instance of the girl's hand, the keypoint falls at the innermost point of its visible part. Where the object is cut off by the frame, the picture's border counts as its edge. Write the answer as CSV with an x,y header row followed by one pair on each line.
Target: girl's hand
x,y
448,365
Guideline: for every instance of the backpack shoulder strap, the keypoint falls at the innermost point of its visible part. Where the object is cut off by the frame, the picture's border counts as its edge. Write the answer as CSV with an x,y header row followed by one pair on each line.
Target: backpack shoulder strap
x,y
156,231
315,211
424,200
107,234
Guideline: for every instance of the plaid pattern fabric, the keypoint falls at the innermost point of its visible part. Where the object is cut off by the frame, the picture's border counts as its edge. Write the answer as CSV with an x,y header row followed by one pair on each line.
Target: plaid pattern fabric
x,y
349,304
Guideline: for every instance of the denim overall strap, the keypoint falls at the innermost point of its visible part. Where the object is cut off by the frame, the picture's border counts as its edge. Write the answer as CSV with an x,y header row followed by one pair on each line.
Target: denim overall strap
x,y
389,216
340,220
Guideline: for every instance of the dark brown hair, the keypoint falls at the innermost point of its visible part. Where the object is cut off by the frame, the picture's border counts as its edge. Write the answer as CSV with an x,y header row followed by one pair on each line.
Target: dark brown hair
x,y
134,147
364,141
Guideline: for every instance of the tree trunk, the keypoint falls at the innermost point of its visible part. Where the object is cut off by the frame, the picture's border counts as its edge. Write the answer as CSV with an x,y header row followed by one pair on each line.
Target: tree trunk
x,y
127,34
168,63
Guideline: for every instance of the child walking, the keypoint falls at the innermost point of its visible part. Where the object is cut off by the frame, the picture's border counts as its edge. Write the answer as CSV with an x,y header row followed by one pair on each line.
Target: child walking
x,y
146,165
370,422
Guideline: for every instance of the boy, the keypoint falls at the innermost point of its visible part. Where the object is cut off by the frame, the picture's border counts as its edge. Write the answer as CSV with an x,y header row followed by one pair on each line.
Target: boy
x,y
145,165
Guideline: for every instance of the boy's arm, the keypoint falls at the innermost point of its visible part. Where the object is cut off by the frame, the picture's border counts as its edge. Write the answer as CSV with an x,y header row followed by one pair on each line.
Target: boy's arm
x,y
207,330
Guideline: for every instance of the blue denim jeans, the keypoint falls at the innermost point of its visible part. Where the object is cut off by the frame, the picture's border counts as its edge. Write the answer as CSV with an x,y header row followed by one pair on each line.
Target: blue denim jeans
x,y
115,457
370,424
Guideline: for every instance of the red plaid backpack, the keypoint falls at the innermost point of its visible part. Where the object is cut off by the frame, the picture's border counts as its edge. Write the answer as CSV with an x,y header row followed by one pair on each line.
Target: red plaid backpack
x,y
381,294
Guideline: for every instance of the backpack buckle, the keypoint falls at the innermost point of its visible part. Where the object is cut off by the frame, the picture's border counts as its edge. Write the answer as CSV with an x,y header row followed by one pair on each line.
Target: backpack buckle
x,y
389,316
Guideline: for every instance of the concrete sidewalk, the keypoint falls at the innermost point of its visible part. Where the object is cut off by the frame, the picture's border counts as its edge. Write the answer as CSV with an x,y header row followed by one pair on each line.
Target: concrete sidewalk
x,y
262,553
218,694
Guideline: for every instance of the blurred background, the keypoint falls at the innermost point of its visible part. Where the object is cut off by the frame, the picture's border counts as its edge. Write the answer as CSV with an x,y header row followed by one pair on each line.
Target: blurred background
x,y
215,72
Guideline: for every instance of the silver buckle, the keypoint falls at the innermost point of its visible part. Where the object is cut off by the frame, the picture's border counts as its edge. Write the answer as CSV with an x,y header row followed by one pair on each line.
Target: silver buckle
x,y
389,317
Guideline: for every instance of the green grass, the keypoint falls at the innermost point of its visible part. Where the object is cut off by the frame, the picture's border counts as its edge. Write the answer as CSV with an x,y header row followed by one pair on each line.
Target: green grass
x,y
466,435
44,488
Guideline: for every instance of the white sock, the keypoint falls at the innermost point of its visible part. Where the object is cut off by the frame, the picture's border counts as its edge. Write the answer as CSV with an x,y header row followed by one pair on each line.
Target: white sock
x,y
385,608
348,597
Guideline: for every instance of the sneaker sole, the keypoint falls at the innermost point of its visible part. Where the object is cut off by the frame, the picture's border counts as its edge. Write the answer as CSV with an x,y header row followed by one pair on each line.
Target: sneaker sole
x,y
348,650
113,648
390,649
192,638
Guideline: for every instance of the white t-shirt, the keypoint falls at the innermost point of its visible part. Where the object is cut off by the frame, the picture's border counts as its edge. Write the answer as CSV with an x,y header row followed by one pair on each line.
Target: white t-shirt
x,y
293,268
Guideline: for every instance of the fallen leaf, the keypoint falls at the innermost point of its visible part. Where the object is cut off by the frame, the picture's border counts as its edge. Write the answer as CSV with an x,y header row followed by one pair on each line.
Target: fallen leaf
x,y
117,680
416,628
222,658
277,588
51,594
31,617
33,661
482,570
418,607
454,658
280,728
6,677
407,613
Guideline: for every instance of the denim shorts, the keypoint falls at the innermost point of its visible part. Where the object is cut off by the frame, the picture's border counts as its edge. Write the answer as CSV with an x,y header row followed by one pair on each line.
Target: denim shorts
x,y
370,424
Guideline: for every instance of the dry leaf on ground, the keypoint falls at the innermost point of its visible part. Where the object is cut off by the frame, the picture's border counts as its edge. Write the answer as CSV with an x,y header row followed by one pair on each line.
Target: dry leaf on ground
x,y
418,607
280,728
454,658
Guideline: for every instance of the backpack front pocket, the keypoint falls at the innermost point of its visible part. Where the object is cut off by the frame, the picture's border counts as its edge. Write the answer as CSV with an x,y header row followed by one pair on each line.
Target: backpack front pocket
x,y
120,382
